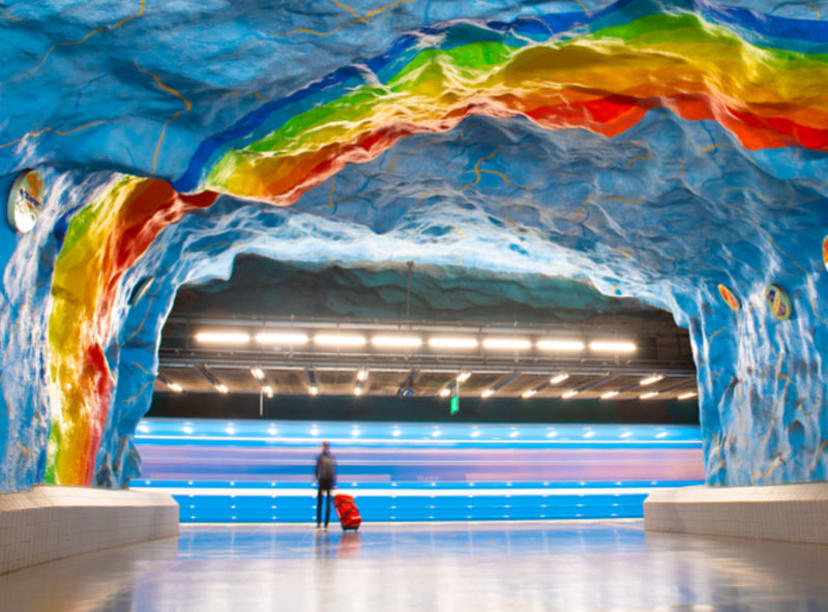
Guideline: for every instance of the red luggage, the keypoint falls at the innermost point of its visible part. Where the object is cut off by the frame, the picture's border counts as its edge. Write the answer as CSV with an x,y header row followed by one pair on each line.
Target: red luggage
x,y
349,516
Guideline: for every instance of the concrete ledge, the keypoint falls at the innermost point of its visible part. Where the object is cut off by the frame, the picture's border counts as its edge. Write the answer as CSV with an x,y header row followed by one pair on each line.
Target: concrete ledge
x,y
51,522
790,513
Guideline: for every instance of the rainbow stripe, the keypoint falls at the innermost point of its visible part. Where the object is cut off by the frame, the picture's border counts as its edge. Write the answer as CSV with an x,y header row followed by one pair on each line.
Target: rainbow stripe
x,y
103,241
605,81
766,85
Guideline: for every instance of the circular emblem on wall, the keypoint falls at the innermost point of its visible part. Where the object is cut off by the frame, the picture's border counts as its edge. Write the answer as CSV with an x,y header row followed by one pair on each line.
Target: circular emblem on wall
x,y
825,252
25,201
730,298
778,302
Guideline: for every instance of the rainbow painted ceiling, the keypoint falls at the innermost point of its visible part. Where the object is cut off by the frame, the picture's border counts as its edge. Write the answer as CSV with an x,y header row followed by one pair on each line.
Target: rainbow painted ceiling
x,y
654,149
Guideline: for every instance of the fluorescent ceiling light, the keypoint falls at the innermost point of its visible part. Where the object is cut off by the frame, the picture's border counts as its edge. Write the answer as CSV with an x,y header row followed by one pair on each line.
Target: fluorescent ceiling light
x,y
444,392
529,393
650,379
649,395
222,337
463,376
516,344
611,346
222,388
487,393
683,396
281,338
570,393
609,394
314,390
396,341
339,340
573,346
178,388
558,378
464,342
362,374
257,373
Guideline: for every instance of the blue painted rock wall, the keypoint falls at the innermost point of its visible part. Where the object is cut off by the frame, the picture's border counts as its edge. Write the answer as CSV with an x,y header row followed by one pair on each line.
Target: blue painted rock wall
x,y
664,211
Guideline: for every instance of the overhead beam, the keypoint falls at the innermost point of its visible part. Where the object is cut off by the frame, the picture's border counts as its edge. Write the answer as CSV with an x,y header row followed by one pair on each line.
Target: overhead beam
x,y
201,368
422,363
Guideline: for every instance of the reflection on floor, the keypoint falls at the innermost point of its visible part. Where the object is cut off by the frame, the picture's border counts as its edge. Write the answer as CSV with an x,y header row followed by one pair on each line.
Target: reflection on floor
x,y
494,566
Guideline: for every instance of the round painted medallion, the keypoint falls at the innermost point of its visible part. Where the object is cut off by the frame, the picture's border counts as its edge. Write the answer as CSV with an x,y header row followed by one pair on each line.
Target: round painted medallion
x,y
25,201
730,298
778,302
825,252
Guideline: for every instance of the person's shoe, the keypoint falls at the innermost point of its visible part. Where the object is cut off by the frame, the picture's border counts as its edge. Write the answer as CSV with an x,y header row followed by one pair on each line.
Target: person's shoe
x,y
326,528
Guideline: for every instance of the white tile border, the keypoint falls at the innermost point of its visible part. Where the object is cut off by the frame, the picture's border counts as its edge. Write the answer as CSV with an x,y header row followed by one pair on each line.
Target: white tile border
x,y
52,522
792,513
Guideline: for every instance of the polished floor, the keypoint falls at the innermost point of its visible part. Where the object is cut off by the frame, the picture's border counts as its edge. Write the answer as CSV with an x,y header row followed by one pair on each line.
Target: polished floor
x,y
497,566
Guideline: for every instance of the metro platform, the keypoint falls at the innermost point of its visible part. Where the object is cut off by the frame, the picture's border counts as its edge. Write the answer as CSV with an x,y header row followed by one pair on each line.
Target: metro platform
x,y
556,565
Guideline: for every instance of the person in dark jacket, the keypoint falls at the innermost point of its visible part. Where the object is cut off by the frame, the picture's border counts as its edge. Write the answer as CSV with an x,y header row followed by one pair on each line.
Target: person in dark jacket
x,y
326,479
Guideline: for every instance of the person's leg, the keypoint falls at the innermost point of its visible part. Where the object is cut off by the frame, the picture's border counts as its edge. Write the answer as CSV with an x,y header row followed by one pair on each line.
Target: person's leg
x,y
328,510
319,505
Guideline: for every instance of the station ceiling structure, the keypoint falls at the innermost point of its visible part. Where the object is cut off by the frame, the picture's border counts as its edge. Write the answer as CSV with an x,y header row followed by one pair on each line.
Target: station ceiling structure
x,y
330,357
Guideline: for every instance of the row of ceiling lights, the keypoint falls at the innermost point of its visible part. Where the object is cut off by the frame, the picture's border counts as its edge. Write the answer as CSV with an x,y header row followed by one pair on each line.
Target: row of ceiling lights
x,y
411,341
362,376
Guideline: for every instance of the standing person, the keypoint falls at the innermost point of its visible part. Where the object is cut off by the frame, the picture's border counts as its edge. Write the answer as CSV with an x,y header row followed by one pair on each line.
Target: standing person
x,y
326,479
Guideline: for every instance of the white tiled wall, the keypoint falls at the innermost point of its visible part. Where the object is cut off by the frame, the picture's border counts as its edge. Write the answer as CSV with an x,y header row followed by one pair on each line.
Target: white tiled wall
x,y
49,522
794,513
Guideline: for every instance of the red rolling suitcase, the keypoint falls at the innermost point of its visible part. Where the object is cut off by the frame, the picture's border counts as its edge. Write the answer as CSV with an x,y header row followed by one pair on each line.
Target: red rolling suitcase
x,y
349,516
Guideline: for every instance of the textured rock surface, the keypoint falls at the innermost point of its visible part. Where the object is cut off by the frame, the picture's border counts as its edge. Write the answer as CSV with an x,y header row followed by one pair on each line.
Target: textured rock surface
x,y
652,149
434,293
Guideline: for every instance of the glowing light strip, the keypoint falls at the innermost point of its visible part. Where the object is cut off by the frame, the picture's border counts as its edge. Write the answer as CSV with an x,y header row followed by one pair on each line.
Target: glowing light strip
x,y
518,344
432,442
281,338
612,347
561,345
402,492
452,343
222,337
396,341
339,340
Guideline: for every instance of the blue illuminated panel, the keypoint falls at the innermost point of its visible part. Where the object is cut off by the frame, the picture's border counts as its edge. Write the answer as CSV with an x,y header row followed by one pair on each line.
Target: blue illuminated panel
x,y
260,471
